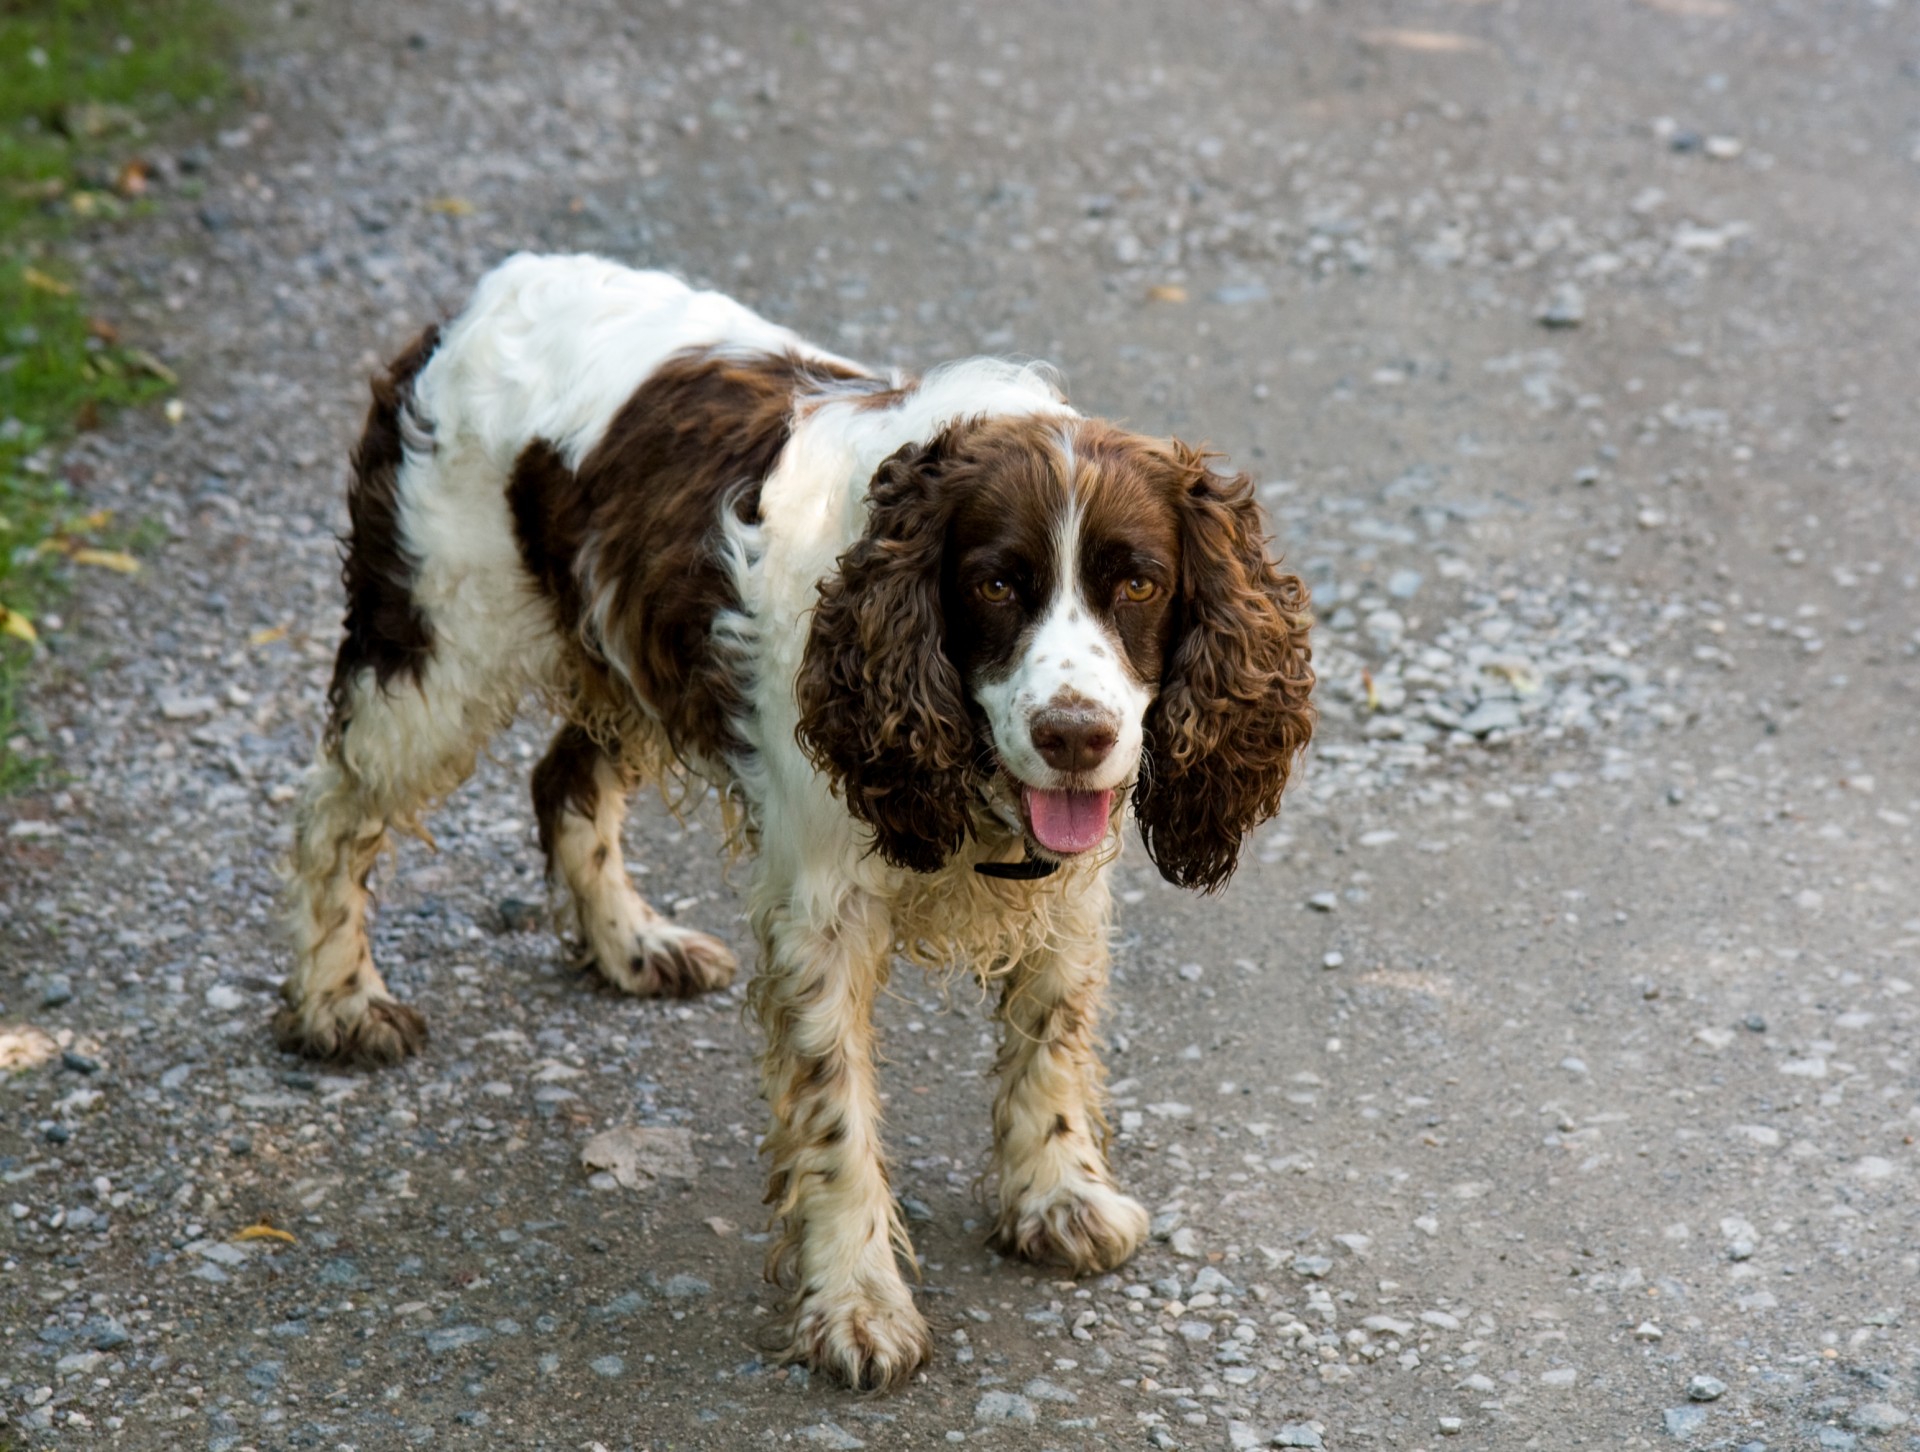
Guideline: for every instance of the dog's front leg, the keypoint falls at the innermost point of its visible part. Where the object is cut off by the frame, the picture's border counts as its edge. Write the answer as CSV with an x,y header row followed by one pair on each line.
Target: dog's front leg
x,y
853,1316
1058,1202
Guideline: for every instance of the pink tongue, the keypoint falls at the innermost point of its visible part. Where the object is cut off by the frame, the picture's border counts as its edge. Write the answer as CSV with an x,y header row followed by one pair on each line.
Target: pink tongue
x,y
1068,821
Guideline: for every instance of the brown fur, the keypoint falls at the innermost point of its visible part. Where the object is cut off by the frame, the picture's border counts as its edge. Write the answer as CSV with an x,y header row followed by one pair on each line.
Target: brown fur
x,y
1233,710
700,435
564,781
883,707
385,630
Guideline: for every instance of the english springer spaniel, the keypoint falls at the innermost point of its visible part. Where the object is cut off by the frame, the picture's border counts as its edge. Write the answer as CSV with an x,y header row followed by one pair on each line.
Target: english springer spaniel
x,y
927,638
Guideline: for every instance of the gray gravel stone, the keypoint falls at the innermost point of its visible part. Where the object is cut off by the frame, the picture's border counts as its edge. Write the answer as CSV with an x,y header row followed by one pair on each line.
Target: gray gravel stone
x,y
442,1339
1566,308
831,1435
1004,1409
1683,1421
1876,1417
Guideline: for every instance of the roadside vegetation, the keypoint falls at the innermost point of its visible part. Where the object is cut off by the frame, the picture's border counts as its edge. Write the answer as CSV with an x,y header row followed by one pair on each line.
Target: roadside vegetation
x,y
85,87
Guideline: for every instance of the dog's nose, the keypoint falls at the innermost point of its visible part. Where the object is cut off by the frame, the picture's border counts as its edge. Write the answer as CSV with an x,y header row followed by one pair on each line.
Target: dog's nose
x,y
1073,740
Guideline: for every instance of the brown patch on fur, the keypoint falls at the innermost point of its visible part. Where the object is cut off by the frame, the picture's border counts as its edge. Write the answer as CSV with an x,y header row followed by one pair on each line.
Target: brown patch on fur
x,y
563,782
385,630
1233,710
699,436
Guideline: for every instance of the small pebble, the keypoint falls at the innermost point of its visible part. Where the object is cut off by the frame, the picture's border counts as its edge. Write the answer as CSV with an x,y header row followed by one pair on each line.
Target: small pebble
x,y
1876,1417
1566,308
1683,1421
1004,1409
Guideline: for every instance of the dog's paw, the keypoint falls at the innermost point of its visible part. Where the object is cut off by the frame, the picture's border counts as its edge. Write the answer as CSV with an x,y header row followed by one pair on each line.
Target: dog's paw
x,y
869,1343
1088,1227
668,962
370,1032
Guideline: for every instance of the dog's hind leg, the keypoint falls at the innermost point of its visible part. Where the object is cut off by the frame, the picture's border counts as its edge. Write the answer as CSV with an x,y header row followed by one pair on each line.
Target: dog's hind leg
x,y
391,751
425,675
580,800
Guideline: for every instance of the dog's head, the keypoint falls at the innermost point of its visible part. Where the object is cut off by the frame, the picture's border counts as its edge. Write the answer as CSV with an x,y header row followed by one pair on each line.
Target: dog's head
x,y
1047,613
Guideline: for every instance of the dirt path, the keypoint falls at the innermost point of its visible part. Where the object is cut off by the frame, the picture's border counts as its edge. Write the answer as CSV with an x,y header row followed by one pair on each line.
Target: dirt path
x,y
1554,1052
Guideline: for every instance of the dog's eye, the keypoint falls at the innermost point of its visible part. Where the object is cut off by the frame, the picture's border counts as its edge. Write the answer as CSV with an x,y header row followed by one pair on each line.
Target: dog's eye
x,y
995,591
1139,590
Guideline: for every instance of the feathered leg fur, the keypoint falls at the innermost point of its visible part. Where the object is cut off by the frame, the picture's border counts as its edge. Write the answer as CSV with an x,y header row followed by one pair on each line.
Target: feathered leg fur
x,y
1058,1203
852,1315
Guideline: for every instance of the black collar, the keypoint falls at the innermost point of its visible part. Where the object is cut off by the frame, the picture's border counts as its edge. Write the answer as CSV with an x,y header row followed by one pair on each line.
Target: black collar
x,y
1032,869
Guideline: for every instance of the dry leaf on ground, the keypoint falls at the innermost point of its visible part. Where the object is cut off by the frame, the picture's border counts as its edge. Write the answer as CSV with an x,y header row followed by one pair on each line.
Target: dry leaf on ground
x,y
13,623
637,1156
264,1231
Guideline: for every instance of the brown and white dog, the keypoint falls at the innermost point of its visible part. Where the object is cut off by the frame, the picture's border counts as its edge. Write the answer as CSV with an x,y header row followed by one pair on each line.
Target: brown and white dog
x,y
926,638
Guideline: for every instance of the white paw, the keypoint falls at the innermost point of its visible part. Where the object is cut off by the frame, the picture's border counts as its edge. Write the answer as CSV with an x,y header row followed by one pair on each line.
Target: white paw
x,y
866,1342
661,961
369,1030
1086,1226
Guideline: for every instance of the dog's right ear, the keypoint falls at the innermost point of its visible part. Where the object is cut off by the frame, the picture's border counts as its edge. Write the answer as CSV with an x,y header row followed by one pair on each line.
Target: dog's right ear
x,y
883,709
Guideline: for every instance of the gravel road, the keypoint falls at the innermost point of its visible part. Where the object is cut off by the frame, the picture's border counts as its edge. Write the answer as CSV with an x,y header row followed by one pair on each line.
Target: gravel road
x,y
1549,1076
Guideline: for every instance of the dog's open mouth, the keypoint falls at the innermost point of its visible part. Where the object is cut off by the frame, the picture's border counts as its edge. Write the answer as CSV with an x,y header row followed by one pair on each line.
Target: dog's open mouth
x,y
1067,822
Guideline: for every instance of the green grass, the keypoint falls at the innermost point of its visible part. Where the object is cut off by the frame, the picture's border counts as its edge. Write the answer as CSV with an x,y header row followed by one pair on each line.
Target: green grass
x,y
84,87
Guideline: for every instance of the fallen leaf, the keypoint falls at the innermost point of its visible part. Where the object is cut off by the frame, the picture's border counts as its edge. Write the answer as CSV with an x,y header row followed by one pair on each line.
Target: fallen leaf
x,y
1373,691
43,282
148,364
22,1047
102,329
451,206
1167,292
263,1231
49,190
117,560
98,519
13,623
637,1156
1428,42
88,119
268,636
1518,674
132,178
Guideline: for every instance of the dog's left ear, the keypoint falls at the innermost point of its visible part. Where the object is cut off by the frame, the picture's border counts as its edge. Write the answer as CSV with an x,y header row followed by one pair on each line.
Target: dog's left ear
x,y
1233,710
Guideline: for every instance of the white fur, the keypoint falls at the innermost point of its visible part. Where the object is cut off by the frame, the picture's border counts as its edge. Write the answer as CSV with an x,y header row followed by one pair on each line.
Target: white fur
x,y
1070,656
550,348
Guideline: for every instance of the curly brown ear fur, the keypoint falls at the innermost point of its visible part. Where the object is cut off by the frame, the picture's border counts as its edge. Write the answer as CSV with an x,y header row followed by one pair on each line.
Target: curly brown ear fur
x,y
883,710
1233,709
